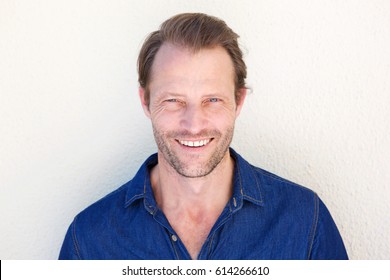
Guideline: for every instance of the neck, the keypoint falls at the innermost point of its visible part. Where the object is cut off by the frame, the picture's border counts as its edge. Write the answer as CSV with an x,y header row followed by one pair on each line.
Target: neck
x,y
206,194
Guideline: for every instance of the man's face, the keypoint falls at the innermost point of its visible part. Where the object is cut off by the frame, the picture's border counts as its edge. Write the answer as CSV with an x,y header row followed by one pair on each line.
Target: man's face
x,y
192,108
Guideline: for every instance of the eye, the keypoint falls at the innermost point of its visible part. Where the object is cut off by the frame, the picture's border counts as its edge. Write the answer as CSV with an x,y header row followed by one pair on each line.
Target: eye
x,y
214,99
173,104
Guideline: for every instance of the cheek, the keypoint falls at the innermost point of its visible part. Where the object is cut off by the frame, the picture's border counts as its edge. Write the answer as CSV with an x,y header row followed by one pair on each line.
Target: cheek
x,y
225,122
226,112
214,115
162,119
221,118
229,115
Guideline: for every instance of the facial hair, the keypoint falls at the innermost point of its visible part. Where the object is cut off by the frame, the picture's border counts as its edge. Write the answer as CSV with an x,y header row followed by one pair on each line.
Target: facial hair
x,y
190,168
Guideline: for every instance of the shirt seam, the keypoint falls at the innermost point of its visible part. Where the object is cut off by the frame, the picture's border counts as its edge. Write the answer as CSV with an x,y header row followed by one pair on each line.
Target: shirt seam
x,y
215,231
74,238
133,199
313,229
279,179
257,187
172,243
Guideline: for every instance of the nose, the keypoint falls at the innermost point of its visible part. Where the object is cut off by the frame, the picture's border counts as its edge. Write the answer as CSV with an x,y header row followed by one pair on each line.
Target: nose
x,y
194,118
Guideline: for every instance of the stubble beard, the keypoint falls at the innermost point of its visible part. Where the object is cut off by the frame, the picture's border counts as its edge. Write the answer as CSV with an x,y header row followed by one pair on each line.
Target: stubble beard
x,y
190,169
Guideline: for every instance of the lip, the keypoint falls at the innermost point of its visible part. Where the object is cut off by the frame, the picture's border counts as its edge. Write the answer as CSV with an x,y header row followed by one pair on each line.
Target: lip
x,y
194,143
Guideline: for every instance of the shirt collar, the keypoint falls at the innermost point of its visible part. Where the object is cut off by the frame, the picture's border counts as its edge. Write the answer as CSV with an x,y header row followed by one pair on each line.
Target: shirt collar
x,y
246,184
140,186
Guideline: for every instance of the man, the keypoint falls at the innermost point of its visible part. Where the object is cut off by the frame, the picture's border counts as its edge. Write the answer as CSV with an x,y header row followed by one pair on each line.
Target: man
x,y
197,198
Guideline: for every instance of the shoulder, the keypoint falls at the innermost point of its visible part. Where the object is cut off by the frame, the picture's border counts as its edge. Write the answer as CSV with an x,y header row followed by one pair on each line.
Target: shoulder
x,y
83,233
269,188
279,193
102,210
118,201
247,171
271,182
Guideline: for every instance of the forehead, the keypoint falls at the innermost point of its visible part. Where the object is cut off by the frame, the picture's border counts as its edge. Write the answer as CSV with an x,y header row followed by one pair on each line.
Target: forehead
x,y
178,64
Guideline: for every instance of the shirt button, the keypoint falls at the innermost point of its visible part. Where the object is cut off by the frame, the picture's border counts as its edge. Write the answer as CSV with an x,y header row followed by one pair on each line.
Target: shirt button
x,y
234,202
174,238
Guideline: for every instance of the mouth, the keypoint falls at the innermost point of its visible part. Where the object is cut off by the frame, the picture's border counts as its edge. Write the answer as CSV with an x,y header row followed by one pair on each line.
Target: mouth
x,y
196,143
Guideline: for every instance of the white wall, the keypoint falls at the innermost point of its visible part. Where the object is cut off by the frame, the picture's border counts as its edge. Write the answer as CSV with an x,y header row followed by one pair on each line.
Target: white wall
x,y
72,130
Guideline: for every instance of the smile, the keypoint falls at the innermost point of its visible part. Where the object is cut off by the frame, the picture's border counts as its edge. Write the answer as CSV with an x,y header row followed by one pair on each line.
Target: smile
x,y
199,143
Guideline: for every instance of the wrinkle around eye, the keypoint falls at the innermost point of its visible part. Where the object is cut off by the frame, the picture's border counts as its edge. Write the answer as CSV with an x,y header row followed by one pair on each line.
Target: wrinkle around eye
x,y
170,104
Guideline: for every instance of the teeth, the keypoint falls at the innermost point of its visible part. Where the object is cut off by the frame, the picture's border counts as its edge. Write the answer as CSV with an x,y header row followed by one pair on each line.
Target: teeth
x,y
195,143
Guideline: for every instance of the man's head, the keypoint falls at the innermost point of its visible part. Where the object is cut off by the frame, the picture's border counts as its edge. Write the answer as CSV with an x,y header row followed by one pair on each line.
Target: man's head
x,y
192,79
193,31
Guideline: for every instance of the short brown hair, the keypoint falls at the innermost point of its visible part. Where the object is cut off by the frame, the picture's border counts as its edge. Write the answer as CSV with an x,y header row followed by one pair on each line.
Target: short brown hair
x,y
194,31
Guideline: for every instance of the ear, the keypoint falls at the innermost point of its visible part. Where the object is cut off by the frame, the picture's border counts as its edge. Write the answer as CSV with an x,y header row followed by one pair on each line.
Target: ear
x,y
240,102
144,103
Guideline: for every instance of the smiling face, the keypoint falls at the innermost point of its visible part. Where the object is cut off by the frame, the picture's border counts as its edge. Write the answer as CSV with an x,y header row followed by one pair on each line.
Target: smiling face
x,y
192,108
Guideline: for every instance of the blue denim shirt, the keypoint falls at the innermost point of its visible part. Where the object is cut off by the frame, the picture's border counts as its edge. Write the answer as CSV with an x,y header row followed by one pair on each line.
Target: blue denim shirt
x,y
267,217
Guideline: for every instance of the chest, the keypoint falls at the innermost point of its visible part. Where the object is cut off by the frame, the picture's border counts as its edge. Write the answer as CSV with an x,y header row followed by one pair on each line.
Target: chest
x,y
251,233
193,232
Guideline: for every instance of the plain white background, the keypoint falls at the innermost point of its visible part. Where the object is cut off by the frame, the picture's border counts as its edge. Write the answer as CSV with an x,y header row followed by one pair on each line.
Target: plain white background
x,y
72,128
